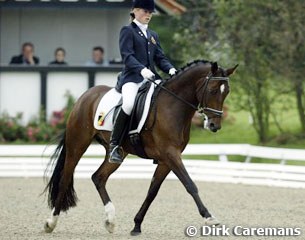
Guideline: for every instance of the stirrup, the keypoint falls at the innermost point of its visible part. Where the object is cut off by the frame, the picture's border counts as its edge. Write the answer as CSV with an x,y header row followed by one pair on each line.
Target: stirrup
x,y
115,155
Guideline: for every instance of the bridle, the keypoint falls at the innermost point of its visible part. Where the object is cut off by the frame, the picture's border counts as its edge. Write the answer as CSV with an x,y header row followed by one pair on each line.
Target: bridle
x,y
199,108
202,108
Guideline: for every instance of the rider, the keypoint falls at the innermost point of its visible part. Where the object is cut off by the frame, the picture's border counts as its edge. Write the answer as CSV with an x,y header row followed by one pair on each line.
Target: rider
x,y
140,50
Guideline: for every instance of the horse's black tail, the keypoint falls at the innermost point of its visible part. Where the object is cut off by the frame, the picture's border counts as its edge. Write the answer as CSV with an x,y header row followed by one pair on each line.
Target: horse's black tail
x,y
58,159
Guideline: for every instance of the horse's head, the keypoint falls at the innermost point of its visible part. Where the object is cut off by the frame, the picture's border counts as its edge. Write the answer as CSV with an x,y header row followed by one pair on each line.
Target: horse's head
x,y
211,94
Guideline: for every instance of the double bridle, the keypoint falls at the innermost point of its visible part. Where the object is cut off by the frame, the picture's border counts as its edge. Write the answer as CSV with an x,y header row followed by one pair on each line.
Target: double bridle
x,y
199,108
203,109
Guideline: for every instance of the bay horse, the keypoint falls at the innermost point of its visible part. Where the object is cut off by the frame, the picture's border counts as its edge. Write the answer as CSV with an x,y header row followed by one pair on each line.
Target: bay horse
x,y
201,85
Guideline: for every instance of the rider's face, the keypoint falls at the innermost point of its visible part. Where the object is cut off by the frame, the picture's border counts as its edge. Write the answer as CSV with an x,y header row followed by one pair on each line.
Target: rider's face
x,y
142,15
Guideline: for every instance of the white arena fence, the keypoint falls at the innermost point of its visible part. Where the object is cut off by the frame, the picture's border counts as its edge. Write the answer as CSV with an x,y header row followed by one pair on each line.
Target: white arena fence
x,y
31,161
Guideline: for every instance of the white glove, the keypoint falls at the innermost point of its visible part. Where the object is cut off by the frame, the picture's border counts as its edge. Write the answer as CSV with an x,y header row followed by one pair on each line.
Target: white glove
x,y
172,71
147,74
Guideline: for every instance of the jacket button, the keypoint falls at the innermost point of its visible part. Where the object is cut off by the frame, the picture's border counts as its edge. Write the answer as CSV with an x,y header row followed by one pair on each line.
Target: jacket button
x,y
148,52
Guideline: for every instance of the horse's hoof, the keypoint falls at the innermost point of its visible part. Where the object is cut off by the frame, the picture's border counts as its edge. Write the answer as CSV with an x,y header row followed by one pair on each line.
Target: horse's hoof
x,y
50,223
211,221
109,226
48,228
135,232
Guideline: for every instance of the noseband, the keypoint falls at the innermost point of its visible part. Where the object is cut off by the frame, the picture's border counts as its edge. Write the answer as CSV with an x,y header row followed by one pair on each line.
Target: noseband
x,y
202,109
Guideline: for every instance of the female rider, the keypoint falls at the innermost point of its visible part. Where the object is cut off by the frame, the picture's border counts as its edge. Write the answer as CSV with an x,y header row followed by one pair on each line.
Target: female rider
x,y
140,50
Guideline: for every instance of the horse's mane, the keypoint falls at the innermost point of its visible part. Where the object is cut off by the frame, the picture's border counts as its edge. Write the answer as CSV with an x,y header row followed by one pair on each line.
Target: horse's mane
x,y
188,66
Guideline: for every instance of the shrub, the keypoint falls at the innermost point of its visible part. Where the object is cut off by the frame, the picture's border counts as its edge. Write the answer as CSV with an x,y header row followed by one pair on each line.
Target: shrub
x,y
37,130
11,128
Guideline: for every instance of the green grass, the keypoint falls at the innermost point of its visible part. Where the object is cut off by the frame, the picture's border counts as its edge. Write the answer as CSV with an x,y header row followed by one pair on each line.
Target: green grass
x,y
236,129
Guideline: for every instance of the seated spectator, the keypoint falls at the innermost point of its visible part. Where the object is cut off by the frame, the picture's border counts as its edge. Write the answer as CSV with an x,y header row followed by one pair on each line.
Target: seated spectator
x,y
97,57
27,56
60,55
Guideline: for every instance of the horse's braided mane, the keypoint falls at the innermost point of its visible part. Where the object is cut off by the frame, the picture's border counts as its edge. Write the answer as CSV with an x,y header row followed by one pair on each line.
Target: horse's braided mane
x,y
189,66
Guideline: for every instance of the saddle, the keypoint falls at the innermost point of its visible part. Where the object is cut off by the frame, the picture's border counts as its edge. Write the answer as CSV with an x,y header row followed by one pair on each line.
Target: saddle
x,y
133,129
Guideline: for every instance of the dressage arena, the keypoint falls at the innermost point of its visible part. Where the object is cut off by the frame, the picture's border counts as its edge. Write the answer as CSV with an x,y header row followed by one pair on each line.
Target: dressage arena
x,y
23,210
277,203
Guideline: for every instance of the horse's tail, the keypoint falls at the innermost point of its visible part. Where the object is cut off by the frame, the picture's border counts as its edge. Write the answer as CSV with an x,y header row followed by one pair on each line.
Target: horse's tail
x,y
53,187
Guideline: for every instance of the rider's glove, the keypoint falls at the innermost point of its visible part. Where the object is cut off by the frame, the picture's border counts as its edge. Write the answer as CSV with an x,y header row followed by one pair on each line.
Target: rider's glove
x,y
147,74
172,71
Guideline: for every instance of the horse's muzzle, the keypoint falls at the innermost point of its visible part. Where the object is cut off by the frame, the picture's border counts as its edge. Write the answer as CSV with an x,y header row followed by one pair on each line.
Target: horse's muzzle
x,y
214,127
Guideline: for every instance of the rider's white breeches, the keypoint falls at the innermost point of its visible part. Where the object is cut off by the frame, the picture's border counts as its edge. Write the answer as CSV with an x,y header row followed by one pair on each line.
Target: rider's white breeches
x,y
129,93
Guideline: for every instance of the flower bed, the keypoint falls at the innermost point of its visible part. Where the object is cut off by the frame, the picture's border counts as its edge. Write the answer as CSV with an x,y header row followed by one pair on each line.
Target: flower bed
x,y
37,130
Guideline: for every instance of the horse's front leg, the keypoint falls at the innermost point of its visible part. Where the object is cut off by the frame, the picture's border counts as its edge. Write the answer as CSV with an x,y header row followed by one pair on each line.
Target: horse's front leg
x,y
160,174
175,163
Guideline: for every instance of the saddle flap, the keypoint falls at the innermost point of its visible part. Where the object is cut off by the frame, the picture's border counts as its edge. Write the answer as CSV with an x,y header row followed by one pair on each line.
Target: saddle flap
x,y
139,105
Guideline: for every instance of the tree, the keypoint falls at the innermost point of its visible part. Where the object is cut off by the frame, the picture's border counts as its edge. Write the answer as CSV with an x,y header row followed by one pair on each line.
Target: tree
x,y
289,54
195,35
265,37
245,25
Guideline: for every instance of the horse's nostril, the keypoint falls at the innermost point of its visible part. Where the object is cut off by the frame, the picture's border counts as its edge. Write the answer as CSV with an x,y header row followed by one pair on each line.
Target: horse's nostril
x,y
213,127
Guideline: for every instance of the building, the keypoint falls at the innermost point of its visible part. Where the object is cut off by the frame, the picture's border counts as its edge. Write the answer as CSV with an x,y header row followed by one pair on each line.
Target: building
x,y
77,26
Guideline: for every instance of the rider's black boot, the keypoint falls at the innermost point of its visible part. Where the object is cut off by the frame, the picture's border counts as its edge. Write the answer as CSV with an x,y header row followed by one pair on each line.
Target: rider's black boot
x,y
119,128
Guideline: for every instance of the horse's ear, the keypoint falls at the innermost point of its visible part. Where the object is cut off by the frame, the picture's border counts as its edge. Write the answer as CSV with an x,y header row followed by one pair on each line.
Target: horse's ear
x,y
231,70
214,67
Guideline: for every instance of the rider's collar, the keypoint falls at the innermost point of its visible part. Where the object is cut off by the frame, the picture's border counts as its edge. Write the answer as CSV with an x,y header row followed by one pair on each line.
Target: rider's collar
x,y
141,25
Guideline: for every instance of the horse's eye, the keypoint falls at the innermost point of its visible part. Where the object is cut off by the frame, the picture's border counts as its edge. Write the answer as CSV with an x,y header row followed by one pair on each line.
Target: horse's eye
x,y
213,91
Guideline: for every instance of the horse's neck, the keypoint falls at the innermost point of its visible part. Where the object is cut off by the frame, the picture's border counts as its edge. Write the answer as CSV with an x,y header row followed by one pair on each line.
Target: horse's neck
x,y
184,85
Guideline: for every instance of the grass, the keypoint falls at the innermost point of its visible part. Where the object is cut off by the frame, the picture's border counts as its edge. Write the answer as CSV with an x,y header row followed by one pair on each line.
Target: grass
x,y
236,129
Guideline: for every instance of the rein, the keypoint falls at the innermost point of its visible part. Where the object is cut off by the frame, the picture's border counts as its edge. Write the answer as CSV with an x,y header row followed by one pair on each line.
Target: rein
x,y
199,108
174,94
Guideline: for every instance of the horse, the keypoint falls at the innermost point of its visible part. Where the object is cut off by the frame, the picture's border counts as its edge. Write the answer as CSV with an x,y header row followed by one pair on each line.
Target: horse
x,y
201,85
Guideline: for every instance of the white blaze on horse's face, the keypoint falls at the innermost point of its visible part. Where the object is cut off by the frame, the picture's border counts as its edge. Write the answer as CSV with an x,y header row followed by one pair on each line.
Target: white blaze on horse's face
x,y
222,88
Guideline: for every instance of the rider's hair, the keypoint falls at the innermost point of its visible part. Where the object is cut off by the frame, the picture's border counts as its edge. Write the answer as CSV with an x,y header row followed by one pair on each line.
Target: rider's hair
x,y
132,15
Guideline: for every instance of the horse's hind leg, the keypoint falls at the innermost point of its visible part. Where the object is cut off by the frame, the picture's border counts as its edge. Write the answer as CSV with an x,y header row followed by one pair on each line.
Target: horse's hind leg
x,y
160,174
176,165
99,179
61,190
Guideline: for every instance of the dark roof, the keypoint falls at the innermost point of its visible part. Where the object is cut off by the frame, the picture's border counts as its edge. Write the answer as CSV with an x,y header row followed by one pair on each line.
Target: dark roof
x,y
170,7
67,3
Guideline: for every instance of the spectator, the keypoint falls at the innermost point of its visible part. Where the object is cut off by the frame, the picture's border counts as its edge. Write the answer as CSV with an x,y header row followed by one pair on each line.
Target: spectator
x,y
97,57
27,56
60,55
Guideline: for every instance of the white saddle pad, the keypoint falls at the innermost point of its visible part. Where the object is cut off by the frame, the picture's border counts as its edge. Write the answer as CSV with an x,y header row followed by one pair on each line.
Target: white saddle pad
x,y
103,119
